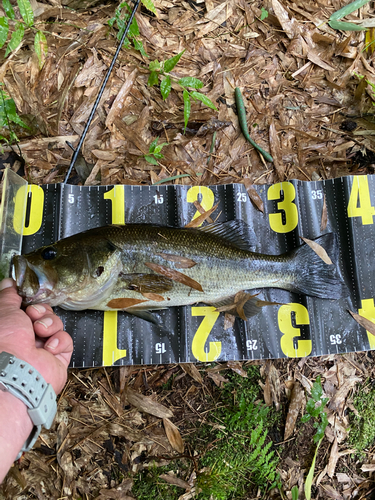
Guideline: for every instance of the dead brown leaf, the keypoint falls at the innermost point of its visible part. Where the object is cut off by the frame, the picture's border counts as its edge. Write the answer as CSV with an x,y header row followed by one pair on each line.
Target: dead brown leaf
x,y
318,249
366,323
124,303
176,481
236,366
297,400
147,404
255,199
153,296
201,218
173,435
175,275
192,370
333,458
324,219
178,260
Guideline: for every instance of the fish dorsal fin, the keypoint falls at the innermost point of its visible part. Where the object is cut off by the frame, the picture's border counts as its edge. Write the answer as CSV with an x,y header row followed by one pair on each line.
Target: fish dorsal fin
x,y
235,231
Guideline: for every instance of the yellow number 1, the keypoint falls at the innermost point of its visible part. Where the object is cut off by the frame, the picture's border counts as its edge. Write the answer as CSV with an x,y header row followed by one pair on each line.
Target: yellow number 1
x,y
117,197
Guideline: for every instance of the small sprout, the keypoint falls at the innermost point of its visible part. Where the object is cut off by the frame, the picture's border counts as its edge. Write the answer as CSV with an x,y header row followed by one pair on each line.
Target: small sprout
x,y
154,152
263,14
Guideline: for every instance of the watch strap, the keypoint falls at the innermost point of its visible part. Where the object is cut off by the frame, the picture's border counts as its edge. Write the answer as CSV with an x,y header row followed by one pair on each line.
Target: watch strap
x,y
25,383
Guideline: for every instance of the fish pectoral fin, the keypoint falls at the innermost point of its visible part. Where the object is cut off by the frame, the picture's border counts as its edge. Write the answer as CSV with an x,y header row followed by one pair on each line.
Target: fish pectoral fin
x,y
148,316
236,231
146,283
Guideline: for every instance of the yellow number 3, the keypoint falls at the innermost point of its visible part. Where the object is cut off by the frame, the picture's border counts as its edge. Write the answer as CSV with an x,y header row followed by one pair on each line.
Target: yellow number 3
x,y
287,205
284,319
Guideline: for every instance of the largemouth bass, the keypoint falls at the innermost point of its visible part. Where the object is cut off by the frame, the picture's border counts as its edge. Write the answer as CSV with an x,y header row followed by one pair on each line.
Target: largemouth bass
x,y
141,268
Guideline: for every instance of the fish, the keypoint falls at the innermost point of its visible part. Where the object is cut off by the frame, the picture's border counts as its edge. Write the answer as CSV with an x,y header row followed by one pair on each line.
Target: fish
x,y
140,268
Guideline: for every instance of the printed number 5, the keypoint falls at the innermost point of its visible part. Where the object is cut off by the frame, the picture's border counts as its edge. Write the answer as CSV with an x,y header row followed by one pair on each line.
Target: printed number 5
x,y
287,205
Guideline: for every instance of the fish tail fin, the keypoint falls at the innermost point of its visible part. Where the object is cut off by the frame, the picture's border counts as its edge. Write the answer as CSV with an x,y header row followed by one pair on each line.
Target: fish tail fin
x,y
315,277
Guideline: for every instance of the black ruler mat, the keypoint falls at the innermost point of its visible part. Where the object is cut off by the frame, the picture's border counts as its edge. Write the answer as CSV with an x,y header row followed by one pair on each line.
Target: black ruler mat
x,y
302,326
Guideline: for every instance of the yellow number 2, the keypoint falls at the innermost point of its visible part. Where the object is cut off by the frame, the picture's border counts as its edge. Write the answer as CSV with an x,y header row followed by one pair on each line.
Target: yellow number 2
x,y
284,318
200,338
359,201
287,205
208,198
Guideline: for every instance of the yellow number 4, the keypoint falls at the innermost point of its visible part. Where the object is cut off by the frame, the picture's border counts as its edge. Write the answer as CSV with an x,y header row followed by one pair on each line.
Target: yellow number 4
x,y
359,201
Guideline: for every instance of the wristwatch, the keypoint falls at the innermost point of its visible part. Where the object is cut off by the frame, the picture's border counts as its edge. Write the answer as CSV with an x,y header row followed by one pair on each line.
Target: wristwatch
x,y
25,383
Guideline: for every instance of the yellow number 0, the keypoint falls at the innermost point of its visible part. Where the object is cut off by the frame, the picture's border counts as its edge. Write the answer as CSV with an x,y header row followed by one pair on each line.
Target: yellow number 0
x,y
111,353
284,320
287,205
36,209
210,316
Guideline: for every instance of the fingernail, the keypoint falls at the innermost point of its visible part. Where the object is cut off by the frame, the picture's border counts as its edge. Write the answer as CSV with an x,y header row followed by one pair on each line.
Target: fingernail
x,y
46,322
38,307
6,283
53,344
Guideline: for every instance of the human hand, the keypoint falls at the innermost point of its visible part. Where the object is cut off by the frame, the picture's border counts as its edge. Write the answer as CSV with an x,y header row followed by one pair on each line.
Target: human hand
x,y
35,336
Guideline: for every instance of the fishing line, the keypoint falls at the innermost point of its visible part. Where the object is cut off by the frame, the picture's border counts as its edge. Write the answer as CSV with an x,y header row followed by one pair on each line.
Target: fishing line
x,y
88,123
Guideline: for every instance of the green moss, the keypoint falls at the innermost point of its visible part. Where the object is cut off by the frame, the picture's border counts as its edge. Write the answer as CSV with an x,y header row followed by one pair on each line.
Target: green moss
x,y
240,458
362,425
149,486
235,455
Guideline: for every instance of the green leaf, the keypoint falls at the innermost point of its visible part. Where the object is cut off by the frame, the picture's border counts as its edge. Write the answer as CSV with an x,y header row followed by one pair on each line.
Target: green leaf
x,y
201,97
4,29
263,14
169,64
348,9
165,87
154,65
138,45
133,30
9,9
158,155
153,79
150,6
41,48
159,147
16,38
11,114
189,81
187,107
151,160
316,390
26,11
152,147
343,26
310,475
294,492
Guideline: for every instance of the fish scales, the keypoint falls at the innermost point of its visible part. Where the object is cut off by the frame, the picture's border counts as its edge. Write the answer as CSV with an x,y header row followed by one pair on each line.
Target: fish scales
x,y
127,267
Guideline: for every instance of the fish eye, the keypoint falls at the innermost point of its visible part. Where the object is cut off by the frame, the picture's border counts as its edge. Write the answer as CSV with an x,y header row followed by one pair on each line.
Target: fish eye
x,y
49,253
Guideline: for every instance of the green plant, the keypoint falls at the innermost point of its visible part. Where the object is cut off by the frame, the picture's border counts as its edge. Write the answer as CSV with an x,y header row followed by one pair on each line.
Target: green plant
x,y
148,484
315,409
121,18
163,69
362,428
19,27
8,116
240,456
263,14
154,153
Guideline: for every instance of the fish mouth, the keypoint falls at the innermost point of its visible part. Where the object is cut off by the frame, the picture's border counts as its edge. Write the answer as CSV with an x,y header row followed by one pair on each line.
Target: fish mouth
x,y
32,284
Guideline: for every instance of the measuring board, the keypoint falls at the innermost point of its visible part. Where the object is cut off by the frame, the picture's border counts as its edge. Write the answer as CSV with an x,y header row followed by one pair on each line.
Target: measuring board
x,y
301,326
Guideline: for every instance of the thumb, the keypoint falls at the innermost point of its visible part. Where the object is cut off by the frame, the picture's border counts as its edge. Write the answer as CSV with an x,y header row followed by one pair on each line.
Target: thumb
x,y
9,298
